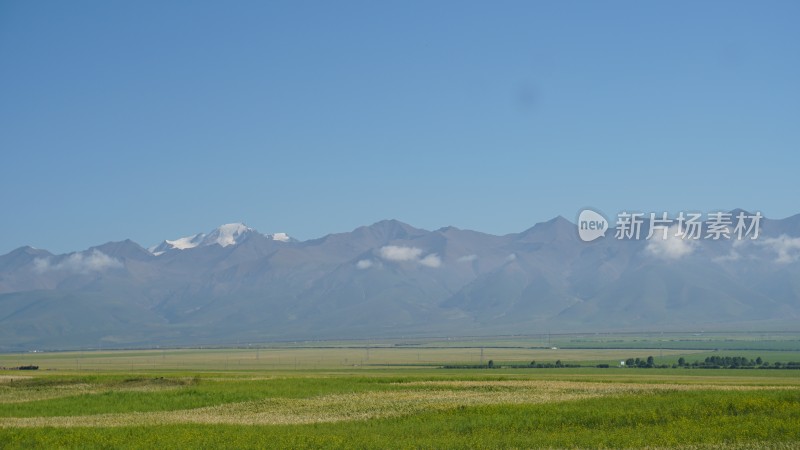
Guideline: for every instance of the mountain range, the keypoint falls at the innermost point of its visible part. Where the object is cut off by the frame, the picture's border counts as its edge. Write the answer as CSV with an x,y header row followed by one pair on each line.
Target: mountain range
x,y
390,279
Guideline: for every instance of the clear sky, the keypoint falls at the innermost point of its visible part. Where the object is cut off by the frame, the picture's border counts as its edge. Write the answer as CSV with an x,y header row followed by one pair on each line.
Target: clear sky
x,y
158,119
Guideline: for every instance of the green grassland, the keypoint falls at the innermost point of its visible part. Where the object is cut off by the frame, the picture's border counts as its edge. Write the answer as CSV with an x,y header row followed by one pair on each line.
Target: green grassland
x,y
384,395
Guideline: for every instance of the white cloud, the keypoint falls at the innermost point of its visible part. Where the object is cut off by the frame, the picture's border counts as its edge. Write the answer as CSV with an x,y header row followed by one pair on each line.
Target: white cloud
x,y
282,237
364,264
96,261
41,264
733,255
511,257
431,260
787,248
672,247
467,258
400,253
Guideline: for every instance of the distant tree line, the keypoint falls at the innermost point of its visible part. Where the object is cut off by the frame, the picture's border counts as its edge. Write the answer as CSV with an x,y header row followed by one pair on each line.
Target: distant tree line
x,y
714,362
737,362
642,363
557,364
20,368
533,365
711,362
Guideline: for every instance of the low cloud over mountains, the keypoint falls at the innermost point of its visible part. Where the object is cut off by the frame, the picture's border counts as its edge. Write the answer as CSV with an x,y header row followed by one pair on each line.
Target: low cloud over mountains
x,y
235,284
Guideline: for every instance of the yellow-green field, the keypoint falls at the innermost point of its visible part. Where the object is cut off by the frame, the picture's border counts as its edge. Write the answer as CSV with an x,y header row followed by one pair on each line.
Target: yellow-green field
x,y
288,358
387,397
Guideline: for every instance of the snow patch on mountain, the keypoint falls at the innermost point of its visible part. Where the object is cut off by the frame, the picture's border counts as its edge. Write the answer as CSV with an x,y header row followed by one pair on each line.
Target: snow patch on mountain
x,y
224,236
228,234
178,244
187,242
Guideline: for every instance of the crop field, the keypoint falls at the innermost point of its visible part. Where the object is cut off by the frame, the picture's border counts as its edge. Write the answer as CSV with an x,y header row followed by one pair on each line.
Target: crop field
x,y
311,358
350,396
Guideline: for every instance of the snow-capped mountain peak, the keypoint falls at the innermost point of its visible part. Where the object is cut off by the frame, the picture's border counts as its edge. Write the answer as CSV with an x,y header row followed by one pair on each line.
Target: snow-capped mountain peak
x,y
224,236
178,244
187,242
228,234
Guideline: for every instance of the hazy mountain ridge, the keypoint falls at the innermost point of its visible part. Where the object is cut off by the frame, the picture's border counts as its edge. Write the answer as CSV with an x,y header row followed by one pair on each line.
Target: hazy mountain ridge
x,y
391,279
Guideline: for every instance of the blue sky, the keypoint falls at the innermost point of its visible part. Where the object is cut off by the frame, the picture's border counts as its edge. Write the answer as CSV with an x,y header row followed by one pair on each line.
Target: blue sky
x,y
154,120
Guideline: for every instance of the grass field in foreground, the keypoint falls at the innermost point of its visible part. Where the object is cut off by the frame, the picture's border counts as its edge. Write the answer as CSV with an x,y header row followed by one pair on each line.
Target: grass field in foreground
x,y
199,404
